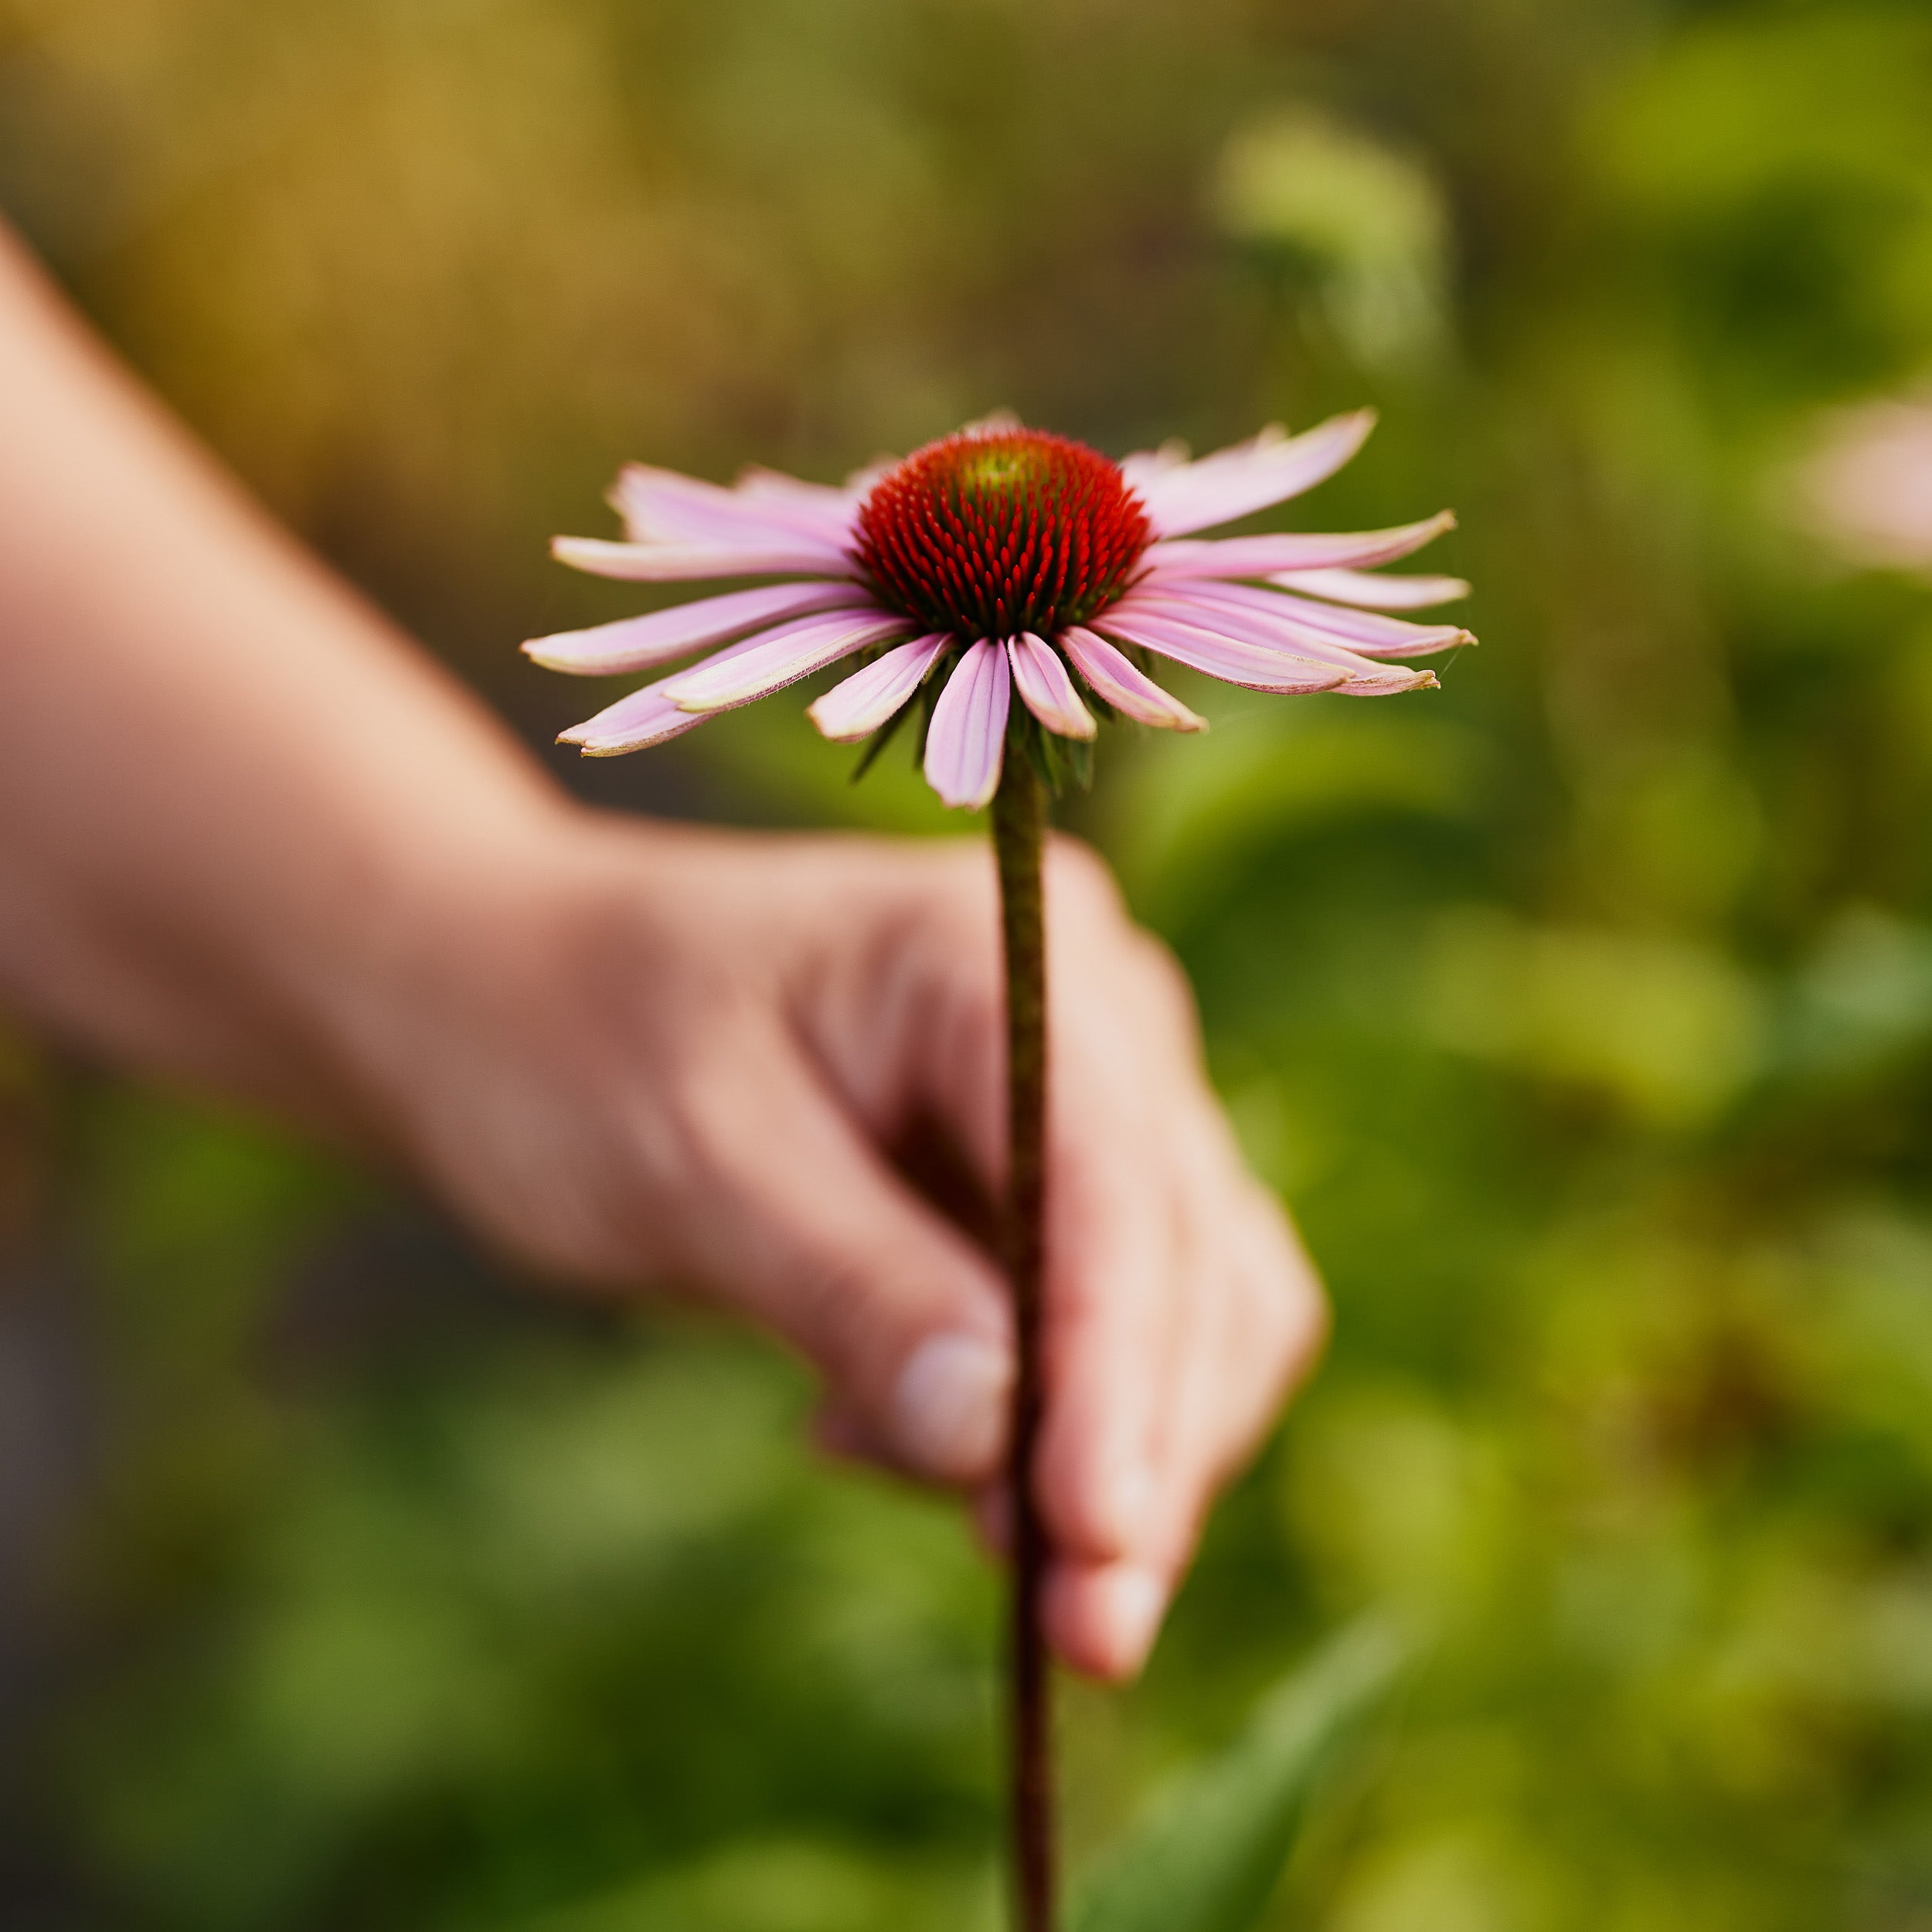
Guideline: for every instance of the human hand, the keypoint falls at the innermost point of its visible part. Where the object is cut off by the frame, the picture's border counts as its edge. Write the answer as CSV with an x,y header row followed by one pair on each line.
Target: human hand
x,y
650,1054
318,877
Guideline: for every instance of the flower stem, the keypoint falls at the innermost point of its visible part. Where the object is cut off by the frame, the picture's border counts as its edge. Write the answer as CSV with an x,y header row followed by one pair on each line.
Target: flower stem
x,y
1019,824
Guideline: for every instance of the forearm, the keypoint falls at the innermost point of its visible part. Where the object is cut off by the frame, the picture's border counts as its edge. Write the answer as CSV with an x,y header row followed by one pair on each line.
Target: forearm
x,y
226,784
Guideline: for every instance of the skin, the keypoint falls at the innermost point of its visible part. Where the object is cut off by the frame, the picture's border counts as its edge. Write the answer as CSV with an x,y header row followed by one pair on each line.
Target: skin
x,y
254,840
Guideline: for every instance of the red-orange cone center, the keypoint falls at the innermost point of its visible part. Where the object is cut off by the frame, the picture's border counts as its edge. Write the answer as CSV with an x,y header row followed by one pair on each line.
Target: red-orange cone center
x,y
991,532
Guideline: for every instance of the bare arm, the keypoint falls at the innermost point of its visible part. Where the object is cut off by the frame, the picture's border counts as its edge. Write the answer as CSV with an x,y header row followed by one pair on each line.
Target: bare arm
x,y
224,779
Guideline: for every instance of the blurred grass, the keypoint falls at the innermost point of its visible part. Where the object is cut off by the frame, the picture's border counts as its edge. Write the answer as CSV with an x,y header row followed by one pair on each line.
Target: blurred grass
x,y
1584,1009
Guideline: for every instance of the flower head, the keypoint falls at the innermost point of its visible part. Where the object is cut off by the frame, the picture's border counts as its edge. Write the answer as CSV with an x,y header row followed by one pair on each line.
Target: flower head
x,y
997,560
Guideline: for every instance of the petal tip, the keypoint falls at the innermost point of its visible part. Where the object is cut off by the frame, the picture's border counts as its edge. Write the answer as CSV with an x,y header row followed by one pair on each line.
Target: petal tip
x,y
830,732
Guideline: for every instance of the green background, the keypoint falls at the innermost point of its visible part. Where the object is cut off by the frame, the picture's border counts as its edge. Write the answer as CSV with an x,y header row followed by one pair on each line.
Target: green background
x,y
1583,1010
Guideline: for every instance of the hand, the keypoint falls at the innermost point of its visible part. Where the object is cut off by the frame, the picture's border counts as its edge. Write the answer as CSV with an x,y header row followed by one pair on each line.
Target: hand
x,y
646,1054
320,877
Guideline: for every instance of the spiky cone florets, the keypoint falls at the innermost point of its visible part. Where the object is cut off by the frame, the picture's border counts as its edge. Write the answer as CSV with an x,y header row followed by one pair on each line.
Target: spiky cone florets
x,y
994,533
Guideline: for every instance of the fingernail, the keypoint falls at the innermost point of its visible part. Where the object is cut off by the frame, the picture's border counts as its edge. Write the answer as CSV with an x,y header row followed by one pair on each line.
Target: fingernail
x,y
949,1410
1131,1603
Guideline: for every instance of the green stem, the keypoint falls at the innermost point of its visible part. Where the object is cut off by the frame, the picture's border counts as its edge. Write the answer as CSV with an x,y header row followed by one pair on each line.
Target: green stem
x,y
1020,825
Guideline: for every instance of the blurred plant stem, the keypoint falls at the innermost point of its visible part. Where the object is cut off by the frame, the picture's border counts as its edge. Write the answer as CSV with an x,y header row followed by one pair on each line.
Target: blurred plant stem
x,y
1019,824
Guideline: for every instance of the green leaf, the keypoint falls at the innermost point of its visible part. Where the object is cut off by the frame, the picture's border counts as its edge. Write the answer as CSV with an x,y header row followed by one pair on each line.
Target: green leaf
x,y
1208,1858
881,738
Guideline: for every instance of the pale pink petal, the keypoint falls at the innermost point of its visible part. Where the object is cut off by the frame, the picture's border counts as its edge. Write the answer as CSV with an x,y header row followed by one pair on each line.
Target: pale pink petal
x,y
642,644
1384,680
645,718
1368,631
775,658
755,480
1000,422
1046,689
687,563
1273,633
1124,684
1144,466
1237,482
1375,593
660,506
968,740
1255,556
870,698
1292,622
1225,657
820,509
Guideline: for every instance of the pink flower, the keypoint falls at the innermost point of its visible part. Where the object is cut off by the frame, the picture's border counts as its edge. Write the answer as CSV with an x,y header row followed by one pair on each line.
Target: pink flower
x,y
1000,560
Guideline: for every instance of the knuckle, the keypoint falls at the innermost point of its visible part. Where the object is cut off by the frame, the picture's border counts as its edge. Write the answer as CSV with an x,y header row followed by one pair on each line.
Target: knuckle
x,y
826,1295
588,1217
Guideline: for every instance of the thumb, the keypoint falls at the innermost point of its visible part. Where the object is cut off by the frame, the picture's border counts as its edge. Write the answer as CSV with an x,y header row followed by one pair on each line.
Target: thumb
x,y
794,1219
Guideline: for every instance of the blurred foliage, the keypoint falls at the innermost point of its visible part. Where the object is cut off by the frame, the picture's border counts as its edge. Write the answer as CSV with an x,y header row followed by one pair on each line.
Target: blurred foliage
x,y
1208,1857
1584,1010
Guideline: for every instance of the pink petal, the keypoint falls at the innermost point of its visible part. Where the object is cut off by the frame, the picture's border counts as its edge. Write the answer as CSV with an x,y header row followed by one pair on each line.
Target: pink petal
x,y
870,698
1370,633
1385,682
681,563
660,506
818,509
1273,634
1144,465
1046,689
641,644
775,658
645,718
1236,482
1224,657
1255,556
1375,593
968,740
1292,622
1122,683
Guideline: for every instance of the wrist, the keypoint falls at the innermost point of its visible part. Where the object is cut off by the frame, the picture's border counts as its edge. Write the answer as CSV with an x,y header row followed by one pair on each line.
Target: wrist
x,y
398,952
493,1034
